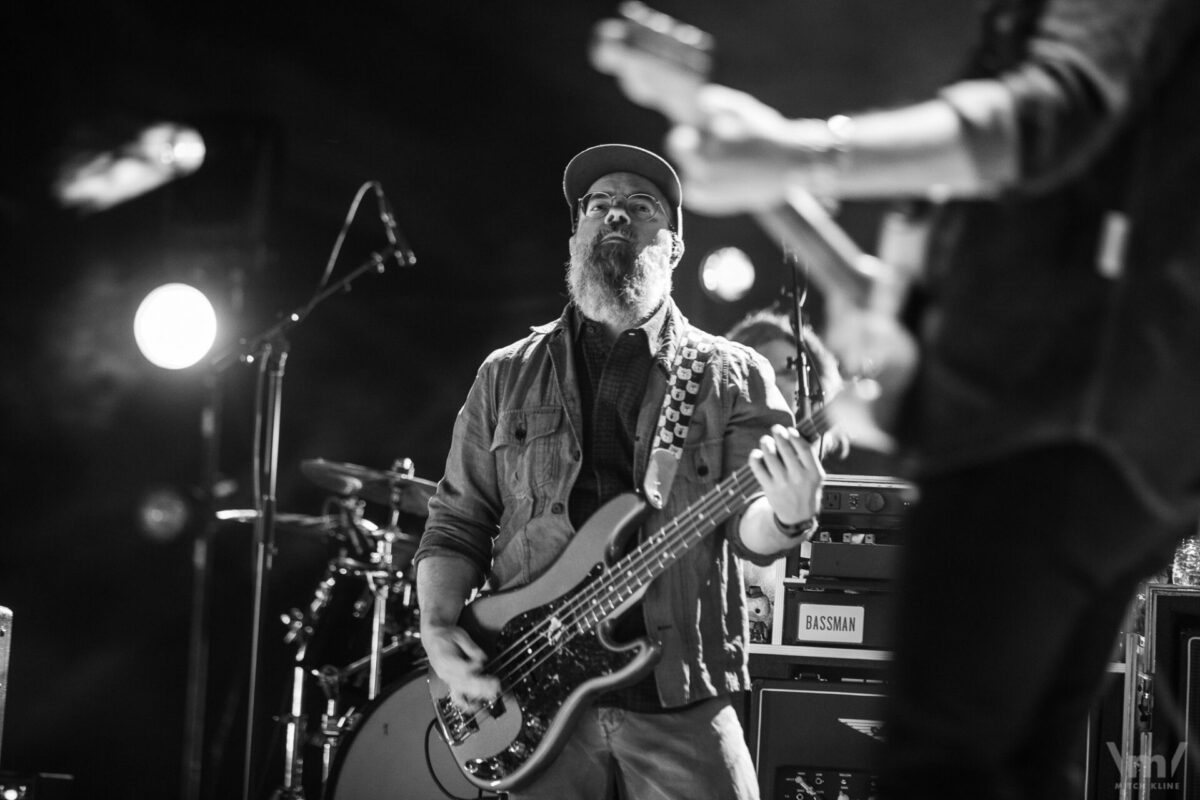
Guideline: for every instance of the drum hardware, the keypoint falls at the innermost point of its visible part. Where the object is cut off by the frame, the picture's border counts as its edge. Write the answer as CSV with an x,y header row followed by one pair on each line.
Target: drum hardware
x,y
407,639
380,557
383,583
300,624
333,724
396,487
299,632
293,743
297,523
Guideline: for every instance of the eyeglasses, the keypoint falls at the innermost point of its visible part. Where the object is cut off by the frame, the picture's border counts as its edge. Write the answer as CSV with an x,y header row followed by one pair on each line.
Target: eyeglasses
x,y
642,207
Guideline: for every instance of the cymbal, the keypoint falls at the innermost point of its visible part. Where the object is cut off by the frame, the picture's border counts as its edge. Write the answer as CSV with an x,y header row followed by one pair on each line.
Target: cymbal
x,y
410,495
302,523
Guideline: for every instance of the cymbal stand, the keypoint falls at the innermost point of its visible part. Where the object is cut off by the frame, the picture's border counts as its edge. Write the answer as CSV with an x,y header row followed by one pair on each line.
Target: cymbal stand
x,y
293,745
381,586
381,580
354,533
347,672
300,626
332,723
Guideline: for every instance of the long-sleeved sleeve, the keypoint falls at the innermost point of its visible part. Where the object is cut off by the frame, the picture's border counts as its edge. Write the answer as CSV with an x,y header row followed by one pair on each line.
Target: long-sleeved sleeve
x,y
1086,64
464,513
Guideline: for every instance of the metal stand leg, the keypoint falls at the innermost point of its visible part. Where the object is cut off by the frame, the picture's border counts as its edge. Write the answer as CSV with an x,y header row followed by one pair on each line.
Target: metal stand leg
x,y
332,724
300,627
381,583
293,752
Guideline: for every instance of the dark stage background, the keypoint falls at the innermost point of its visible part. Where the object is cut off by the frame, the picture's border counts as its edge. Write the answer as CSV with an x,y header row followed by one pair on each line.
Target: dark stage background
x,y
467,113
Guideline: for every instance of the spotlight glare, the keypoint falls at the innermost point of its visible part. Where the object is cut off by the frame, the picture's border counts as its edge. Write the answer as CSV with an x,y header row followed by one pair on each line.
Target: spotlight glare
x,y
175,326
95,181
727,274
162,514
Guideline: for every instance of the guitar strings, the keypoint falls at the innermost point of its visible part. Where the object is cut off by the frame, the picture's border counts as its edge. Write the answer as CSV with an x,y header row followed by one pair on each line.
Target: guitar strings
x,y
620,580
573,611
590,590
620,577
736,483
665,543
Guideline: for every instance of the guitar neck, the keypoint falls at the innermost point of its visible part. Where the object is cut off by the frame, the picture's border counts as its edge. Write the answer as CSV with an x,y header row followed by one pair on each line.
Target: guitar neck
x,y
833,260
669,543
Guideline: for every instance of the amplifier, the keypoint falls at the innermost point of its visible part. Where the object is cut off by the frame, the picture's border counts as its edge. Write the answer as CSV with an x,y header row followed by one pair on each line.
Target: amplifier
x,y
841,618
865,503
862,524
872,562
821,740
816,740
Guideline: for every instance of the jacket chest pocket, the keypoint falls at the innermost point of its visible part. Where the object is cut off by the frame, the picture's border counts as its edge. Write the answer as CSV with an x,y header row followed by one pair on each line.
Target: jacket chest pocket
x,y
528,454
700,467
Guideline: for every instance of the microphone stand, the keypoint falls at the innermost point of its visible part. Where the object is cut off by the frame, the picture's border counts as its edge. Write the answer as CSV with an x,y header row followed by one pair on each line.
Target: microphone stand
x,y
271,349
274,353
795,310
198,638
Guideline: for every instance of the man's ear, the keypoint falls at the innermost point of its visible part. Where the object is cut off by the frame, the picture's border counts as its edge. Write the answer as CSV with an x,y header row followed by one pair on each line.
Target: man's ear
x,y
676,248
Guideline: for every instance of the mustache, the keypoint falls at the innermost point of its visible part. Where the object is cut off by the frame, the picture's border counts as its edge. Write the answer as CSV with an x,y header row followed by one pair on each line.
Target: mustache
x,y
614,257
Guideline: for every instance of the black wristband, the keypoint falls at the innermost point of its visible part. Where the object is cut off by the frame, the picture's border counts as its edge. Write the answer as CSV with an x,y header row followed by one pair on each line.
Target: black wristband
x,y
804,527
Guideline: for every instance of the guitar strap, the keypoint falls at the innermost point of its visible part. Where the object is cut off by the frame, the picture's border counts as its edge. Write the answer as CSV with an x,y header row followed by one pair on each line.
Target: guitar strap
x,y
679,403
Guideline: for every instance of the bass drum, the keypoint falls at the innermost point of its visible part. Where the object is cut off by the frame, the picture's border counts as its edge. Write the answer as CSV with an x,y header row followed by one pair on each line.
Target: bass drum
x,y
395,751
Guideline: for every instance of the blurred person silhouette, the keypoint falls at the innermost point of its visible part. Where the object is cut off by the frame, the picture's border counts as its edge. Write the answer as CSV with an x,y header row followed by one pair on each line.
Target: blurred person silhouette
x,y
1053,411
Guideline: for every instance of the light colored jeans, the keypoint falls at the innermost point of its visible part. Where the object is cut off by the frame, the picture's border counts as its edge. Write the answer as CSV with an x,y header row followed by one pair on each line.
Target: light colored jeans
x,y
694,754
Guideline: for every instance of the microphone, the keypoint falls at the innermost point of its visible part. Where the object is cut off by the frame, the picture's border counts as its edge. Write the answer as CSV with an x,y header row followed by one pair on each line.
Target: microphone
x,y
404,253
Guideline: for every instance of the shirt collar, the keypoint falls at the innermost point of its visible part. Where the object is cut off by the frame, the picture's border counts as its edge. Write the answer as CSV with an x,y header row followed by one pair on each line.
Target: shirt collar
x,y
655,326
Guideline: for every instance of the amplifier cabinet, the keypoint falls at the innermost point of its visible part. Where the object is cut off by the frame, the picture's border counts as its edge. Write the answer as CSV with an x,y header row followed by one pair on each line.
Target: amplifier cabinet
x,y
821,740
816,739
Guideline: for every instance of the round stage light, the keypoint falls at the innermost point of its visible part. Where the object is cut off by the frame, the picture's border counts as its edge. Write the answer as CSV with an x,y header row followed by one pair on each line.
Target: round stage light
x,y
727,274
162,514
175,326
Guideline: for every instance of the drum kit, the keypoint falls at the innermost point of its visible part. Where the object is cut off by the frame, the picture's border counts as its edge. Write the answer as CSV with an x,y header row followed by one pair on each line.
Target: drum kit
x,y
375,734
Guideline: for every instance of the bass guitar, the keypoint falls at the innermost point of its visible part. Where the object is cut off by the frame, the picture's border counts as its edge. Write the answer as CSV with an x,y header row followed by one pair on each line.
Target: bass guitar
x,y
551,642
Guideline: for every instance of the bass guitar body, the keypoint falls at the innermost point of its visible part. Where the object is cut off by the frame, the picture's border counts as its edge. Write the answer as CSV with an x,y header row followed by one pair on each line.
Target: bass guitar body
x,y
551,647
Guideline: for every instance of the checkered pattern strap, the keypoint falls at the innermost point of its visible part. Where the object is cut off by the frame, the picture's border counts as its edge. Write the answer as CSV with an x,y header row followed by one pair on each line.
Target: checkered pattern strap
x,y
680,401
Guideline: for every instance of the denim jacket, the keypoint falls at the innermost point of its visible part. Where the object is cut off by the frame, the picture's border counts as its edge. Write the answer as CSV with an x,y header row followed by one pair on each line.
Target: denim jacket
x,y
516,454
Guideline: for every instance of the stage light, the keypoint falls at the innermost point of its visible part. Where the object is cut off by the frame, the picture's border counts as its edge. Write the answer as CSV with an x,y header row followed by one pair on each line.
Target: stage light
x,y
160,153
175,326
163,514
727,274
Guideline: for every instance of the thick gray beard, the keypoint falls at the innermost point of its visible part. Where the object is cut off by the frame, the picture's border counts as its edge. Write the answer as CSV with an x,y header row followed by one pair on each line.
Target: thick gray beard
x,y
611,286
